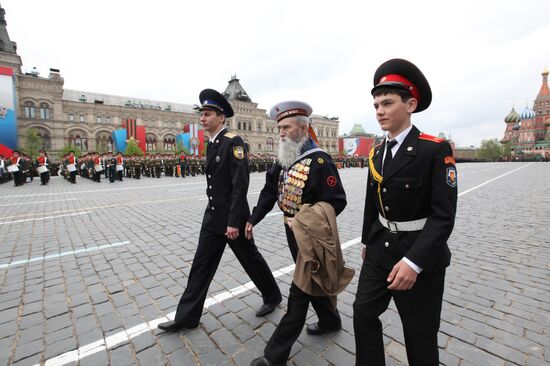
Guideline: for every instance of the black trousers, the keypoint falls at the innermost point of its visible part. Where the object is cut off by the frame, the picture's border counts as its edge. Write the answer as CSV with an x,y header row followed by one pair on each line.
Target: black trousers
x,y
419,309
17,178
205,263
44,178
112,174
289,328
119,175
72,177
326,312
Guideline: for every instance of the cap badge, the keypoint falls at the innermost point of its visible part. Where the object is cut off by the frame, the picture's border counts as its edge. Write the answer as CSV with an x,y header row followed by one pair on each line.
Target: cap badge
x,y
218,159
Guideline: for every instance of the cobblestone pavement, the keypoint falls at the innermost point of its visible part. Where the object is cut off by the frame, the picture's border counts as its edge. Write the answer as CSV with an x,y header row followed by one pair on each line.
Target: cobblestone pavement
x,y
88,270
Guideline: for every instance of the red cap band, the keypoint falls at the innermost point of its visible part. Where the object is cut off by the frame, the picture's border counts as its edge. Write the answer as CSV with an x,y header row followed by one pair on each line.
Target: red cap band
x,y
394,78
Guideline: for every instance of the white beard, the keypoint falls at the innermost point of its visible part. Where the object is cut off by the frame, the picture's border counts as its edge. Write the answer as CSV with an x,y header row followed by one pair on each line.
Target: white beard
x,y
289,151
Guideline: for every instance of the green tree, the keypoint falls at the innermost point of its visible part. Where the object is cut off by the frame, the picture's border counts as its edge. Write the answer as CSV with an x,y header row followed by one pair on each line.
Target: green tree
x,y
490,150
132,148
32,142
66,149
507,149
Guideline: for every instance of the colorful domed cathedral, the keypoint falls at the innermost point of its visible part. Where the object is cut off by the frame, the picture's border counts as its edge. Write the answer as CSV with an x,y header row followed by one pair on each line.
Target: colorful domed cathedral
x,y
528,132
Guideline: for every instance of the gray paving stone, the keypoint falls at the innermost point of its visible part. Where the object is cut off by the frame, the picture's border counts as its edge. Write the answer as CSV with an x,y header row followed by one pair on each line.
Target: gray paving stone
x,y
151,356
496,287
122,356
338,356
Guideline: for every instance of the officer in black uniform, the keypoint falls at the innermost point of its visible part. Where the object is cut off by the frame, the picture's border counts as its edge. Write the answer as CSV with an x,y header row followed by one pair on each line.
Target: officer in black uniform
x,y
409,215
307,176
227,179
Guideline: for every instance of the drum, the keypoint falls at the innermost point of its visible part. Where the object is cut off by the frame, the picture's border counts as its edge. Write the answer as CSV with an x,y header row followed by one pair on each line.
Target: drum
x,y
71,167
42,169
13,168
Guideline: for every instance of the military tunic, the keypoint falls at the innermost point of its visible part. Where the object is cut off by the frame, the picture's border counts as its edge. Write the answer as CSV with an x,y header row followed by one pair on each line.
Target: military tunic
x,y
227,179
312,178
420,183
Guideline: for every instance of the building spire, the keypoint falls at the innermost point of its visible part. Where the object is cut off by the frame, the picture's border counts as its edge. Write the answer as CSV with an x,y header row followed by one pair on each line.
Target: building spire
x,y
235,90
6,45
544,92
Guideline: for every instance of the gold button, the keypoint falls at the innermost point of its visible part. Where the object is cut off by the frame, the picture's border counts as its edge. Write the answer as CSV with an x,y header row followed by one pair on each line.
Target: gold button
x,y
386,244
384,190
407,186
209,187
386,208
212,208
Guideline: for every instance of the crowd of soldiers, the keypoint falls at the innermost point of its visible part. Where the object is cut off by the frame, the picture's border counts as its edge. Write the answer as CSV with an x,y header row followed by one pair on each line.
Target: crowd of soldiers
x,y
115,167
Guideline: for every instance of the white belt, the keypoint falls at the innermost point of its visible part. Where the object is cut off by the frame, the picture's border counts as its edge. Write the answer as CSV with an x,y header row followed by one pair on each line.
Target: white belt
x,y
395,226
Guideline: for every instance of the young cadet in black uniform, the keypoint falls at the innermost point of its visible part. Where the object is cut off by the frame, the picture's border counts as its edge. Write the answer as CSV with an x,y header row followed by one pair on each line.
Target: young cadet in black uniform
x,y
409,215
227,179
304,173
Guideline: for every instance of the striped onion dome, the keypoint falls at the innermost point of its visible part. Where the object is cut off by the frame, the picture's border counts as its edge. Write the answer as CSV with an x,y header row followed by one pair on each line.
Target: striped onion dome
x,y
512,117
527,114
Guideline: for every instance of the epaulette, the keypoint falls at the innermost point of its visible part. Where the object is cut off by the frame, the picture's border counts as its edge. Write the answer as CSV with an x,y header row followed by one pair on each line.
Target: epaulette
x,y
425,136
229,135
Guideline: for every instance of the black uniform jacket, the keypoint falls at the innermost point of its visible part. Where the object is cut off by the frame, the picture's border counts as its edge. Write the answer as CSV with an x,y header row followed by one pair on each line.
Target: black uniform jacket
x,y
420,183
227,179
323,184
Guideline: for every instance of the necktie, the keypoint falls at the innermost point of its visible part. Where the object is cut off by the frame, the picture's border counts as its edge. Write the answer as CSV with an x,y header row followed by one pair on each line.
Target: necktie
x,y
389,156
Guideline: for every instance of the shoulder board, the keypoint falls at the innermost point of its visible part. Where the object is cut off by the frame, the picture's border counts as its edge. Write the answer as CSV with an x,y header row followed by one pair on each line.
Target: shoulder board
x,y
425,136
229,135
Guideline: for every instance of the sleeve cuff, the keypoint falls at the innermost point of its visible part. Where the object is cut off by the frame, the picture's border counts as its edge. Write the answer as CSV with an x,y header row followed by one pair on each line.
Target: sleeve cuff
x,y
412,265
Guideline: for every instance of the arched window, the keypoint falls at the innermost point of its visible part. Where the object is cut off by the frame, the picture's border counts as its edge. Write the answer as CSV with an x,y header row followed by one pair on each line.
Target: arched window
x,y
169,143
79,142
104,143
29,110
44,111
151,143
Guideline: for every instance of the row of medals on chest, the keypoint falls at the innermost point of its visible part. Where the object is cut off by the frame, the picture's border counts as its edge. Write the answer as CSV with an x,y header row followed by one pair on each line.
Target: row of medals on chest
x,y
294,183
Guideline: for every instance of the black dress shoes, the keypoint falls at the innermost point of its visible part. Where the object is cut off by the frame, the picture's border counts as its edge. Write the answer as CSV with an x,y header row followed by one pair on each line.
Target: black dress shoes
x,y
315,329
260,361
267,309
172,326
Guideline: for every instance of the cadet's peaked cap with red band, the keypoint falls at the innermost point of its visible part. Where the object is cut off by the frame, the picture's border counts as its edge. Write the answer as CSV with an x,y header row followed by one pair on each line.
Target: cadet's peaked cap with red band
x,y
289,108
403,74
211,99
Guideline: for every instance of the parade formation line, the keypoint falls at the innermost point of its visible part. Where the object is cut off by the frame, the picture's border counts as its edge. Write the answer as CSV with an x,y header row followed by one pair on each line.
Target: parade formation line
x,y
62,254
125,335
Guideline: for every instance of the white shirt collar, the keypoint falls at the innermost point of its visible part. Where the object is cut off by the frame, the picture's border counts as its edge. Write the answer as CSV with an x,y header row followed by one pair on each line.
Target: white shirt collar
x,y
401,137
213,139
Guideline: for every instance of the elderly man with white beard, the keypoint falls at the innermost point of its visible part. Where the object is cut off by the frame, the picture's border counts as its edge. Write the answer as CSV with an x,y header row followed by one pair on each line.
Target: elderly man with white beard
x,y
303,174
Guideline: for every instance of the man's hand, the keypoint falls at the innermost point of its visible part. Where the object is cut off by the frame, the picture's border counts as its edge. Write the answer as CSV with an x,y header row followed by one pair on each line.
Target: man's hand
x,y
364,252
401,277
248,231
289,222
232,233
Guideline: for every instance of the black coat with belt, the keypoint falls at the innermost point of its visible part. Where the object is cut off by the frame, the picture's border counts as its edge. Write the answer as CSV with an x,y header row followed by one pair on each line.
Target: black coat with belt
x,y
419,183
227,180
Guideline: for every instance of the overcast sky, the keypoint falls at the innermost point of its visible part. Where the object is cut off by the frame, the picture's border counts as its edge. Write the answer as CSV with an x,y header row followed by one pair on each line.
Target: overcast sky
x,y
481,57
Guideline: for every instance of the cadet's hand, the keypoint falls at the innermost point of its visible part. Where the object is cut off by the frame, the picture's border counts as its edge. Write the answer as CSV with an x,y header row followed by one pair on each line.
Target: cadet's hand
x,y
232,233
402,277
248,230
364,252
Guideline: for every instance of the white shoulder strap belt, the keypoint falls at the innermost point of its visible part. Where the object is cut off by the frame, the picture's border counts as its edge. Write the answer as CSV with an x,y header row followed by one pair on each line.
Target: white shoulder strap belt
x,y
396,226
